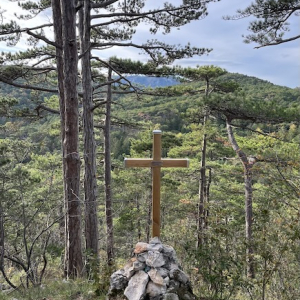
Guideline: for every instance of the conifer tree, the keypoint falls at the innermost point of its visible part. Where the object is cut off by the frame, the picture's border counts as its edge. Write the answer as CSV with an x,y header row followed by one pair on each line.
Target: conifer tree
x,y
102,24
271,24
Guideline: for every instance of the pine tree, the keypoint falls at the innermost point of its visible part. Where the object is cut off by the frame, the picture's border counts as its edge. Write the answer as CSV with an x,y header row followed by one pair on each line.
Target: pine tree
x,y
102,25
271,24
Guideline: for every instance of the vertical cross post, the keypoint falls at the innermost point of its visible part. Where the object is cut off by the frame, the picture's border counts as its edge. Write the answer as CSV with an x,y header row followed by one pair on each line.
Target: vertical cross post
x,y
156,166
156,163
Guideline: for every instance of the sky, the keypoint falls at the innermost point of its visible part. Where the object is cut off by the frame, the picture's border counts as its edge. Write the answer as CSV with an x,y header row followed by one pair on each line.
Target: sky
x,y
277,64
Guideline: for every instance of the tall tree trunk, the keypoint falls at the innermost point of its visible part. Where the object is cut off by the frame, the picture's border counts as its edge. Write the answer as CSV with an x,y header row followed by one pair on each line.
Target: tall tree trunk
x,y
202,181
247,164
1,237
107,176
57,24
202,192
73,255
207,195
90,180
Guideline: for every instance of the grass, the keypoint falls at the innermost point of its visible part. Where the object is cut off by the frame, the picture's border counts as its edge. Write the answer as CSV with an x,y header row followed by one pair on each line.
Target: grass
x,y
56,290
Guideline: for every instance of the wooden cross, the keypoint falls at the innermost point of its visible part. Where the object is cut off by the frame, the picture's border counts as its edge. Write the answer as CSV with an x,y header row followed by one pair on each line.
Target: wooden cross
x,y
156,163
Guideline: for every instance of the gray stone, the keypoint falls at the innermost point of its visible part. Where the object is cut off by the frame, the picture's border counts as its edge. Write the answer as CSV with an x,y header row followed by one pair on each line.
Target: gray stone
x,y
154,290
170,296
173,286
137,265
167,281
155,240
156,277
163,272
169,251
118,281
170,264
155,247
129,270
137,286
179,276
185,295
155,259
142,256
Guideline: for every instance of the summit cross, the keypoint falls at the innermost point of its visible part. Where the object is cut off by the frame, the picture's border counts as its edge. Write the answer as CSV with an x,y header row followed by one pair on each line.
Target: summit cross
x,y
156,163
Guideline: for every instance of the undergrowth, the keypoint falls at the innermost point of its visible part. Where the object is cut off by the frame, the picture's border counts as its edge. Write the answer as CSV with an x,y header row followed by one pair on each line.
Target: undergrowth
x,y
56,290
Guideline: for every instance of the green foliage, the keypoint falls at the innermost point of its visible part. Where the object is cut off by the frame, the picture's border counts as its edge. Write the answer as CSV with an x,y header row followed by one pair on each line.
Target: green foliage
x,y
271,21
30,183
31,175
205,73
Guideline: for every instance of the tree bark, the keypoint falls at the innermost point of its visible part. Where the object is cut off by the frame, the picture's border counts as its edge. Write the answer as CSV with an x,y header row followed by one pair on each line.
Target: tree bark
x,y
57,24
202,192
1,237
107,171
90,180
247,164
73,255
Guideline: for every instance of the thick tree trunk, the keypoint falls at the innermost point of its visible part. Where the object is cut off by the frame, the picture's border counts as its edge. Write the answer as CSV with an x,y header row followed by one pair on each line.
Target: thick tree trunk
x,y
249,220
107,176
90,180
247,164
73,255
57,21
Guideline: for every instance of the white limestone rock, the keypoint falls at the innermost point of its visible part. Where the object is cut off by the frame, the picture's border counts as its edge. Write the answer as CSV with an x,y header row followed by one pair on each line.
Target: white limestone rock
x,y
155,259
137,286
156,277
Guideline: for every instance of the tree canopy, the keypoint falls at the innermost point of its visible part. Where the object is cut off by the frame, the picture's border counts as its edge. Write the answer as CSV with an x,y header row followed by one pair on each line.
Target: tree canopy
x,y
272,21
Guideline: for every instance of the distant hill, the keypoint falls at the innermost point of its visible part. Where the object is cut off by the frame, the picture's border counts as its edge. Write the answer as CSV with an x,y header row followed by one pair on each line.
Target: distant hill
x,y
151,81
169,111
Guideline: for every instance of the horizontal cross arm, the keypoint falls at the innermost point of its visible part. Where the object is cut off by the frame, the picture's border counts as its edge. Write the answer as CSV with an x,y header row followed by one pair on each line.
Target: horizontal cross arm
x,y
175,163
138,162
149,162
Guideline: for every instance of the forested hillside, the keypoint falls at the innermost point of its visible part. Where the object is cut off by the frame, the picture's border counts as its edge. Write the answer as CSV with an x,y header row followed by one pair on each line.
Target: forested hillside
x,y
203,207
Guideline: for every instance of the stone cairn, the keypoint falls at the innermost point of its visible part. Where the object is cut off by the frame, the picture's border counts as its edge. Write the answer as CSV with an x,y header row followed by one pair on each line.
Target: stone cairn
x,y
153,273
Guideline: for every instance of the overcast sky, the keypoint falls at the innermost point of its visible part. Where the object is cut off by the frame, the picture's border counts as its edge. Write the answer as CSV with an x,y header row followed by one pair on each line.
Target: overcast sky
x,y
278,64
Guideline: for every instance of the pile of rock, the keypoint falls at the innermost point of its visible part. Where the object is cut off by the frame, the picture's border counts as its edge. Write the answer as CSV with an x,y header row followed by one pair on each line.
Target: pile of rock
x,y
152,273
